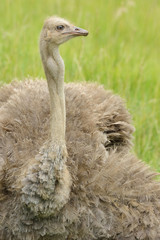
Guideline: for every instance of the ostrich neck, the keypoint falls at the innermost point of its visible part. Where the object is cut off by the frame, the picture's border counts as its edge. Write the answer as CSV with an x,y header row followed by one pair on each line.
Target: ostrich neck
x,y
54,70
46,187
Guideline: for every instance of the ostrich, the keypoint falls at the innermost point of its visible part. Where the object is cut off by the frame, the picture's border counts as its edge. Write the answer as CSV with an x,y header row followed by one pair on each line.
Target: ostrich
x,y
66,172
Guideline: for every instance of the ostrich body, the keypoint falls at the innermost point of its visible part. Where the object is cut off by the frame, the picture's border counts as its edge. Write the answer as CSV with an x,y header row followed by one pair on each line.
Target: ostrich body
x,y
66,172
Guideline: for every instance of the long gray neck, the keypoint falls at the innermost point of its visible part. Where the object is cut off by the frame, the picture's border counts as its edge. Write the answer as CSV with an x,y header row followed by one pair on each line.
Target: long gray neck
x,y
47,184
54,70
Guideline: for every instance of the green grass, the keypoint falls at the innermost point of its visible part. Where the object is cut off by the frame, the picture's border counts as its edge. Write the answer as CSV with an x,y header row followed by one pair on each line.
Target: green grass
x,y
122,52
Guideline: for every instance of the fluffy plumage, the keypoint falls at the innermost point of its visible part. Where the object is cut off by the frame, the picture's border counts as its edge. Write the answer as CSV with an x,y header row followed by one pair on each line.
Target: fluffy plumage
x,y
113,194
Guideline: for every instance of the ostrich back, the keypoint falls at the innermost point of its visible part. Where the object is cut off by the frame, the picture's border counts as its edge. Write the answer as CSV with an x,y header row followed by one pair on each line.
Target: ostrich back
x,y
113,195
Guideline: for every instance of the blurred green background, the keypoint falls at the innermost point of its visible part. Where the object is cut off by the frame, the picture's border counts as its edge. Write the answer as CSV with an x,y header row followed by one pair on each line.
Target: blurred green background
x,y
122,52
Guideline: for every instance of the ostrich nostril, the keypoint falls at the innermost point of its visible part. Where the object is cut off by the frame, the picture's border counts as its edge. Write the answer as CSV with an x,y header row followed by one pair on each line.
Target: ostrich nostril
x,y
76,29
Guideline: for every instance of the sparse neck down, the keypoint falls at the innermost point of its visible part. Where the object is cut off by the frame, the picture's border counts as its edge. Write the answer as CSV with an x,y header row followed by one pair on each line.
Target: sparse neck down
x,y
54,70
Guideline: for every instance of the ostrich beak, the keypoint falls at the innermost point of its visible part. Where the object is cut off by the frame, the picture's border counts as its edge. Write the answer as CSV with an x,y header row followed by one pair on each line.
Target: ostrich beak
x,y
77,32
80,32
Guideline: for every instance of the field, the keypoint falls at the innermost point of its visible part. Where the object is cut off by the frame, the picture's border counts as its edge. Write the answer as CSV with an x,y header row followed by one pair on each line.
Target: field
x,y
122,52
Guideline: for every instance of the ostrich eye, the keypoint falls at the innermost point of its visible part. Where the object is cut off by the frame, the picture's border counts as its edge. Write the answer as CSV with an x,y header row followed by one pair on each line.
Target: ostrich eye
x,y
60,27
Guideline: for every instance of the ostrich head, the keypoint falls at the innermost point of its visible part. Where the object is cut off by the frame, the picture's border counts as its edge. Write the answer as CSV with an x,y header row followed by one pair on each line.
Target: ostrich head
x,y
55,32
58,30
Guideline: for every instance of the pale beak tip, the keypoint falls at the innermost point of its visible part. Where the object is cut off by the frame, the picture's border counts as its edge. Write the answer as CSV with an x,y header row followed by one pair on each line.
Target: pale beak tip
x,y
86,33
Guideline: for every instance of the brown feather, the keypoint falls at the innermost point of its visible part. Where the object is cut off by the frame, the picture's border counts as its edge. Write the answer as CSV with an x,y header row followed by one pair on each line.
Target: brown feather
x,y
113,195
